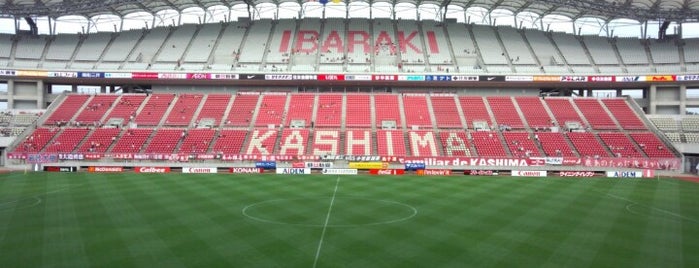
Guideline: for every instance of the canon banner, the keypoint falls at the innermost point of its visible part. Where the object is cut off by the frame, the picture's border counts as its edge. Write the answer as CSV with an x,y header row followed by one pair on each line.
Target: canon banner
x,y
199,170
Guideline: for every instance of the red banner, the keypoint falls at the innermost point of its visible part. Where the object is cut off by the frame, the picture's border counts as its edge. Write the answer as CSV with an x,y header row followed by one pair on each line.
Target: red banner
x,y
386,171
245,170
466,161
105,169
434,172
152,169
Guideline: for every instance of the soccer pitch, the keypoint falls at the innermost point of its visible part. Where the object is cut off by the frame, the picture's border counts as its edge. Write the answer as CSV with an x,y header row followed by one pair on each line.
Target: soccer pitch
x,y
224,220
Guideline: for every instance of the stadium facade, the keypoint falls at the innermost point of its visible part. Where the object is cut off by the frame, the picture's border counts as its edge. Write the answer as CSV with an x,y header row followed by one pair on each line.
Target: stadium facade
x,y
436,92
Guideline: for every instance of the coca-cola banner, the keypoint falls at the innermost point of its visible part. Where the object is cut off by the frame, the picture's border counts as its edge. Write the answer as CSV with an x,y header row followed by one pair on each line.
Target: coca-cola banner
x,y
386,171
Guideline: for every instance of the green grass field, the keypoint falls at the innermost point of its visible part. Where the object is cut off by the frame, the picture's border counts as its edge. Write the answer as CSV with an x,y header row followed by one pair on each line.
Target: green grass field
x,y
222,220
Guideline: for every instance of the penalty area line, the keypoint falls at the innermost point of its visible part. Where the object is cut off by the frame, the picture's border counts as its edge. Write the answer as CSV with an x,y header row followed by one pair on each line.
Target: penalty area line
x,y
325,225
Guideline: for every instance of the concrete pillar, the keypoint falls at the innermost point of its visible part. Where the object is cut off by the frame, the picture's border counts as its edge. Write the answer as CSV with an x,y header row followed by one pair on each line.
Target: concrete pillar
x,y
683,99
652,95
10,94
40,93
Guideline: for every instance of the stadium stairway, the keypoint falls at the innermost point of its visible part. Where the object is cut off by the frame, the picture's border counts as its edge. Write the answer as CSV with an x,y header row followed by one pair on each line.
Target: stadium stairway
x,y
504,50
132,50
588,54
559,52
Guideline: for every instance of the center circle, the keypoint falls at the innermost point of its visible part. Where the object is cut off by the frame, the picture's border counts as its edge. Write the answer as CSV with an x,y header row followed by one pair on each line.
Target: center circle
x,y
346,211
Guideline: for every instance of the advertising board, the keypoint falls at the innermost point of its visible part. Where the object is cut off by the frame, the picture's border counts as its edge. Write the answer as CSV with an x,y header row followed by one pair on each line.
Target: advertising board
x,y
340,171
245,170
529,173
293,171
152,169
368,165
199,170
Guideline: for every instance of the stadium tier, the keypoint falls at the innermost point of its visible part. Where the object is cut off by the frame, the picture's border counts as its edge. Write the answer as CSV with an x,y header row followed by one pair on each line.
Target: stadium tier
x,y
262,124
355,46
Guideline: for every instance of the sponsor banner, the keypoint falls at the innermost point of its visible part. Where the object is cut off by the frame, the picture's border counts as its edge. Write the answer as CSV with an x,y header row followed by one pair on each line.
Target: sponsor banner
x,y
340,171
91,74
434,172
152,169
199,170
266,164
204,156
358,158
601,79
444,78
576,173
625,174
481,172
384,77
172,76
8,73
251,77
492,78
639,163
368,165
144,75
467,78
105,169
287,77
197,76
572,78
223,76
554,160
41,158
358,77
71,156
466,161
630,79
571,161
31,73
546,78
245,170
304,77
61,169
331,77
529,173
298,165
386,171
411,78
118,75
660,78
293,171
318,165
62,74
688,77
414,166
519,78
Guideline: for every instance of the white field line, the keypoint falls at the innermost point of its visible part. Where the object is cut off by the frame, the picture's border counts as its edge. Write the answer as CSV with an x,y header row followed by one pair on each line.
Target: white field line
x,y
325,225
652,208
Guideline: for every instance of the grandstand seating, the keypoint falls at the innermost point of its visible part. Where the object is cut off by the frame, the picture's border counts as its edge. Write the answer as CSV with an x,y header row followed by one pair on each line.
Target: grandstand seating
x,y
554,144
229,141
619,144
595,114
358,110
488,144
131,141
154,109
445,111
474,109
387,108
455,143
242,110
358,142
417,112
95,109
37,140
563,110
521,144
626,117
197,141
214,108
390,142
261,141
67,140
423,143
165,140
67,109
534,112
271,110
329,112
504,111
587,144
293,142
183,110
301,108
126,107
99,141
325,142
651,145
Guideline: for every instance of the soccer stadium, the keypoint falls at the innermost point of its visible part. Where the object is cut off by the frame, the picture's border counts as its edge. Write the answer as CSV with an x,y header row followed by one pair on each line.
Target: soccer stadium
x,y
349,133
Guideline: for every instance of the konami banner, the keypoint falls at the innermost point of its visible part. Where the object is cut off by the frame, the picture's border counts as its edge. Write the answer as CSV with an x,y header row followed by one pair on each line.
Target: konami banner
x,y
246,170
199,170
